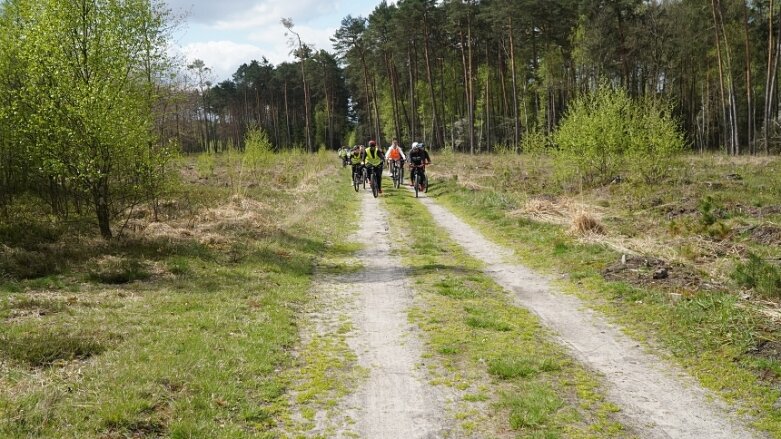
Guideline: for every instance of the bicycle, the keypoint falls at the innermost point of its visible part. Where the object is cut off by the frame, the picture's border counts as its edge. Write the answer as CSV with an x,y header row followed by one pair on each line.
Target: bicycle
x,y
397,172
419,179
375,185
357,177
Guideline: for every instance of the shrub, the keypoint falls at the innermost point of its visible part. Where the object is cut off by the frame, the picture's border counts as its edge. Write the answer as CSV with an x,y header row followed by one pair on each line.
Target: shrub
x,y
536,142
758,274
204,164
18,263
607,132
257,149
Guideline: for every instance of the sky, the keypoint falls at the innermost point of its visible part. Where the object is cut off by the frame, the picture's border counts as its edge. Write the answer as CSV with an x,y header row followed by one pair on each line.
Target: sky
x,y
227,33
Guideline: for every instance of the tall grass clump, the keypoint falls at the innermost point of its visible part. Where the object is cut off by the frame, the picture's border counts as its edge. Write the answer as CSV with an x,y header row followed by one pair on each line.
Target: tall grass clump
x,y
607,132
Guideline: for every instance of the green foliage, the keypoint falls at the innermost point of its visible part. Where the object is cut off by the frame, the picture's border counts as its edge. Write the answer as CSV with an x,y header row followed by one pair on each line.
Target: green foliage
x,y
81,102
204,164
607,132
711,215
258,150
757,273
351,138
535,143
18,263
706,208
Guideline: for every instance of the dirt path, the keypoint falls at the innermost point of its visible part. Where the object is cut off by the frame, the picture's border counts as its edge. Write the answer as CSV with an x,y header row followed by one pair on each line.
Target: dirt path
x,y
395,400
659,400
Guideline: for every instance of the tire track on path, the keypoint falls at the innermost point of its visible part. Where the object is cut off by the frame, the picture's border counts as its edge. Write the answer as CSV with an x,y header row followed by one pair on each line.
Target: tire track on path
x,y
395,401
656,398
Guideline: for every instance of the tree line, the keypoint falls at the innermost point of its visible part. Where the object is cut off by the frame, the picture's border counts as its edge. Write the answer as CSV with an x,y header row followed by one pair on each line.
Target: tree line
x,y
92,108
471,75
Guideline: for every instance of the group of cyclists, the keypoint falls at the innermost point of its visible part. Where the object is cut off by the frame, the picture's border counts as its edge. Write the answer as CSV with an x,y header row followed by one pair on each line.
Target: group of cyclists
x,y
373,158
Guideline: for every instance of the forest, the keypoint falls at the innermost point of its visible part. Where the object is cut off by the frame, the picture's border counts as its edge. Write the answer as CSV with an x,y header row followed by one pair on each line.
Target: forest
x,y
473,75
94,108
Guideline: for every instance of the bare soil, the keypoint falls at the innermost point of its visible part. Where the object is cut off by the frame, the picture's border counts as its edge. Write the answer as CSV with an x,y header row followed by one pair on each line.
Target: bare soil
x,y
645,271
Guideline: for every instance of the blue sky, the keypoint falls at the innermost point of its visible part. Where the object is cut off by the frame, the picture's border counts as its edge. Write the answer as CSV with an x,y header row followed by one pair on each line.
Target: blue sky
x,y
227,33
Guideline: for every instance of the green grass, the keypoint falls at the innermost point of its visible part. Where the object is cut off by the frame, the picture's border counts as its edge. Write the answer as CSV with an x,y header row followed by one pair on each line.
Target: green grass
x,y
510,373
193,340
711,332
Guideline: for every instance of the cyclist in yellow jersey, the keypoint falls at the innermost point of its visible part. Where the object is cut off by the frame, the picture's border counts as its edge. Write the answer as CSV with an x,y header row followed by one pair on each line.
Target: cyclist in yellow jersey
x,y
374,157
356,159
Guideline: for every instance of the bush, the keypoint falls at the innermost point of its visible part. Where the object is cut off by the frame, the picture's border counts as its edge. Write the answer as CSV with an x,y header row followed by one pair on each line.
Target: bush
x,y
607,132
18,263
204,165
535,143
758,274
257,149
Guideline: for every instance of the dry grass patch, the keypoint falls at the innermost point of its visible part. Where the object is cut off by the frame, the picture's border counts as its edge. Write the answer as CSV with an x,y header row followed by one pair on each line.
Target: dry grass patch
x,y
209,226
584,223
541,209
470,185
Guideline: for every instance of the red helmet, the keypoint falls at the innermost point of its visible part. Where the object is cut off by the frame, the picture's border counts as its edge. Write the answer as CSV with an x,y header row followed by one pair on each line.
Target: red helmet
x,y
372,143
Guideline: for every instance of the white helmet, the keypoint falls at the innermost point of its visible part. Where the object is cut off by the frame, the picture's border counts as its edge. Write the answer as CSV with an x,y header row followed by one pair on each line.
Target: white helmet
x,y
414,145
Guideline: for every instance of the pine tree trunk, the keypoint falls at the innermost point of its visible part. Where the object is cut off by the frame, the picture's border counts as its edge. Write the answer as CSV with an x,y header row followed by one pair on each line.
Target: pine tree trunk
x,y
436,138
749,89
516,120
721,72
413,105
394,96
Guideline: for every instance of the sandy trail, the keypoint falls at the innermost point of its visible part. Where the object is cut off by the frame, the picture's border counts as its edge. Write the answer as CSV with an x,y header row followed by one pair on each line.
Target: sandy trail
x,y
395,401
658,399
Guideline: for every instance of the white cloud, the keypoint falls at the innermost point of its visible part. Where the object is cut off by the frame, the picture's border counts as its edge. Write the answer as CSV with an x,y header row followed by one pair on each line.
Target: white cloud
x,y
223,57
275,39
247,14
228,33
207,11
269,13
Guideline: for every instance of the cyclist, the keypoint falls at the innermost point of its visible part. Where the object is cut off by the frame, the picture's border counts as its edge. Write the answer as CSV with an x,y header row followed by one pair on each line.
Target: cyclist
x,y
373,157
417,156
344,154
356,160
395,154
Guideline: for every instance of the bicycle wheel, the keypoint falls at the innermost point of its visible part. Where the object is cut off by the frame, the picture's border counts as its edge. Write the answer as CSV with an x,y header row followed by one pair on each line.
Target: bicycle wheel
x,y
374,184
417,184
356,183
396,176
